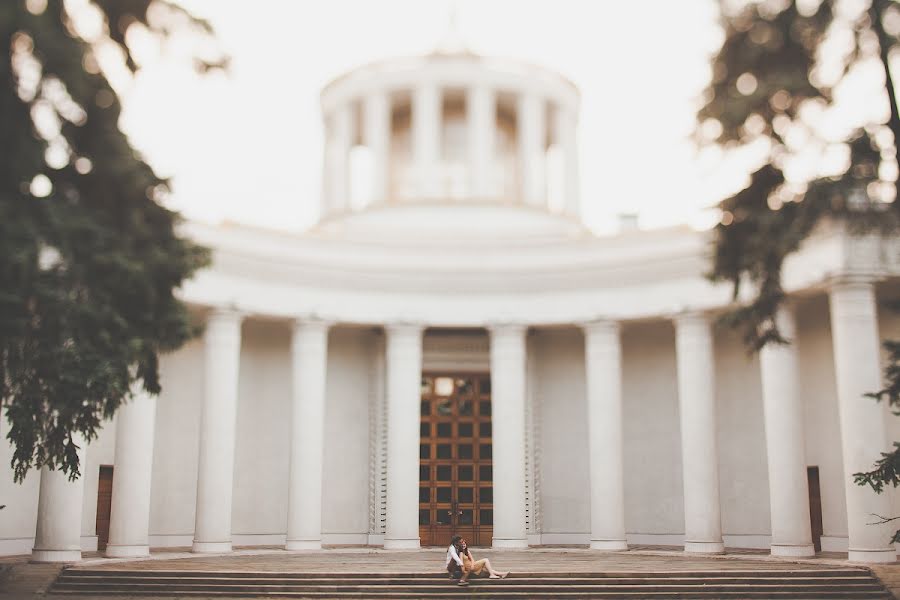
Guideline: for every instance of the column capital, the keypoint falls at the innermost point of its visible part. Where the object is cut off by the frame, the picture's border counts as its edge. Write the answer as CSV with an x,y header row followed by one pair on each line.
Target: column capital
x,y
508,328
690,318
311,323
404,328
851,280
600,326
225,314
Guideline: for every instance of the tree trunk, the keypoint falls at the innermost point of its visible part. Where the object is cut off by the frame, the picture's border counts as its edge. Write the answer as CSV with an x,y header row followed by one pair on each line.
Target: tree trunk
x,y
885,43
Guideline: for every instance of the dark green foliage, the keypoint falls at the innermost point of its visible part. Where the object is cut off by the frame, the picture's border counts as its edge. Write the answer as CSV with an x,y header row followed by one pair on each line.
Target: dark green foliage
x,y
87,273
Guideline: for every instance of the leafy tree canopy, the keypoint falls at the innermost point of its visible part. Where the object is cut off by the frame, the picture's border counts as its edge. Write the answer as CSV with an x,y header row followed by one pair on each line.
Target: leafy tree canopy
x,y
773,86
89,259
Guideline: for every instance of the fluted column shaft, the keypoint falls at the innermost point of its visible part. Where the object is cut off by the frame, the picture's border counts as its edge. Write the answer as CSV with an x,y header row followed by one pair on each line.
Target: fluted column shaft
x,y
565,123
531,127
426,137
309,353
854,330
603,365
377,136
129,521
57,535
404,377
508,379
215,470
481,113
783,412
699,454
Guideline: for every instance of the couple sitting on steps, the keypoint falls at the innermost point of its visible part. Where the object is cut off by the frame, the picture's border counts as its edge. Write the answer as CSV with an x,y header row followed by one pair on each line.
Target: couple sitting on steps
x,y
461,564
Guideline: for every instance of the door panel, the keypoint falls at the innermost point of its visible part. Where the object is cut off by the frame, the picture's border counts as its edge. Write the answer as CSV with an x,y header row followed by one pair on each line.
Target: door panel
x,y
455,459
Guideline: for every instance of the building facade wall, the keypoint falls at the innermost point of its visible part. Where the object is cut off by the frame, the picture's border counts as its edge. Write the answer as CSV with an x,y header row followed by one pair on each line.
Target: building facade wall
x,y
815,365
345,485
654,505
173,488
562,410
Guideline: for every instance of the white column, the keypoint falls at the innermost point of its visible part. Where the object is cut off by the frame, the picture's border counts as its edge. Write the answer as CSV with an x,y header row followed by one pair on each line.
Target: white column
x,y
339,141
857,363
404,379
377,136
565,123
788,489
699,456
481,116
531,125
215,477
129,521
508,420
57,535
309,353
603,366
426,138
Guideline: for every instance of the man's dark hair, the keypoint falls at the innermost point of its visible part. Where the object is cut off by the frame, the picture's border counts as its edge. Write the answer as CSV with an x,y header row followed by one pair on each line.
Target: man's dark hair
x,y
455,540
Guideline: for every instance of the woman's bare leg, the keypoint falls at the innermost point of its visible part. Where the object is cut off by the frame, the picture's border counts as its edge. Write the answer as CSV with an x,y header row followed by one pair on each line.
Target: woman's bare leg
x,y
491,572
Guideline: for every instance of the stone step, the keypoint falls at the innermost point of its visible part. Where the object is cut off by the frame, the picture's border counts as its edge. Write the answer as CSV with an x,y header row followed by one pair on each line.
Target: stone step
x,y
482,593
778,573
793,584
520,581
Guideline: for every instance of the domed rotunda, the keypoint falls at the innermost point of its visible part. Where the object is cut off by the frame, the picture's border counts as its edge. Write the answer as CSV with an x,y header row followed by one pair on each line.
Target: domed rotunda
x,y
450,351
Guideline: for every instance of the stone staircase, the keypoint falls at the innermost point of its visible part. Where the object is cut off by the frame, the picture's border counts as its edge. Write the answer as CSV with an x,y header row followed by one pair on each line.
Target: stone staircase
x,y
844,583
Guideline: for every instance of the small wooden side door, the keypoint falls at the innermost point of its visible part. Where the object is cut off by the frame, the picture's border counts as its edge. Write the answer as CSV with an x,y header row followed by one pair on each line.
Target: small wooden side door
x,y
104,503
815,506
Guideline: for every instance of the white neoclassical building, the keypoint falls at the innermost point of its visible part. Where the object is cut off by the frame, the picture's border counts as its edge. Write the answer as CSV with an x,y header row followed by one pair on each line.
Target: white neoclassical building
x,y
449,350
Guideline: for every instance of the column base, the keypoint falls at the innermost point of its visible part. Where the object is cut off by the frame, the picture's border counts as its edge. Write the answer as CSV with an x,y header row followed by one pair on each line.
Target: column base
x,y
303,545
401,544
55,556
211,547
609,545
513,543
704,547
880,555
126,551
793,550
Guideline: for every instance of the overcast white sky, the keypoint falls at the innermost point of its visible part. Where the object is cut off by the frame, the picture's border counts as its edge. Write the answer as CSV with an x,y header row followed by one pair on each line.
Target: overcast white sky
x,y
246,146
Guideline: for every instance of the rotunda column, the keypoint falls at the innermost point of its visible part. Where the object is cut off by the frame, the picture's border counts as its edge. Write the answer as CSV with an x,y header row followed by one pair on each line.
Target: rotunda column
x,y
215,470
531,125
426,138
508,377
699,455
129,520
857,360
565,127
404,379
57,535
603,362
339,140
377,136
783,411
309,352
481,115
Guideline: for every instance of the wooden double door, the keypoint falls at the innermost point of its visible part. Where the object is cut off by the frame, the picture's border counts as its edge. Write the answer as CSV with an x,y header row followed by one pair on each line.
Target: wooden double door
x,y
456,491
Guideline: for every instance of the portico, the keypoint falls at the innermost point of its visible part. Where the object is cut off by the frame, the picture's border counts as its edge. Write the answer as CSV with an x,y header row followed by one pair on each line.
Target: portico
x,y
505,353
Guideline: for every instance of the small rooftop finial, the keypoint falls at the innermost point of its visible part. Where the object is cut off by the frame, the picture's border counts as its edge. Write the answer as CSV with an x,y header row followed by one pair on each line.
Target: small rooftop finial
x,y
452,41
